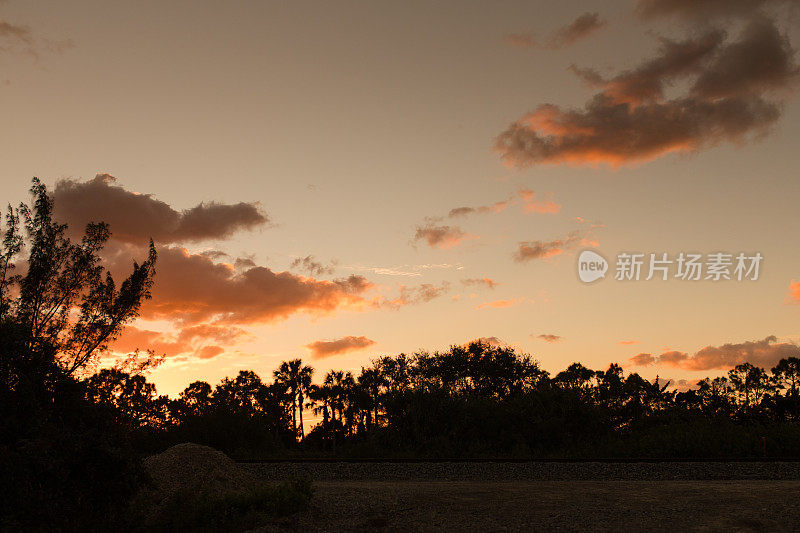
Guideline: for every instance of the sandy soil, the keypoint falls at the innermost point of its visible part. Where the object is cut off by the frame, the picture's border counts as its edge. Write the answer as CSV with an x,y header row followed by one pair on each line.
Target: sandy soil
x,y
750,505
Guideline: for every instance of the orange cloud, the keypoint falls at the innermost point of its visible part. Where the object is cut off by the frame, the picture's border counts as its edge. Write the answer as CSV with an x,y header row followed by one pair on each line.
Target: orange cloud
x,y
499,304
320,349
766,352
642,359
532,204
794,290
207,352
627,343
199,341
193,289
136,218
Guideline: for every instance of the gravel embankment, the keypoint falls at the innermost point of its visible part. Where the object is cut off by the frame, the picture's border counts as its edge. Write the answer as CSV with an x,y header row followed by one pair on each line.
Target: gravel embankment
x,y
459,506
527,471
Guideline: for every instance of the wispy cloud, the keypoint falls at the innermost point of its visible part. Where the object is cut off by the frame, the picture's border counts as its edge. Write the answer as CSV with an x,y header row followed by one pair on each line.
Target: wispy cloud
x,y
530,250
582,27
480,282
531,201
500,304
310,265
422,293
18,37
404,270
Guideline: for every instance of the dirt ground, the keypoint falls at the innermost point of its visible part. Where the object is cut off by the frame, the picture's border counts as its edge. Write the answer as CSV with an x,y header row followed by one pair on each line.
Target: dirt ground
x,y
749,505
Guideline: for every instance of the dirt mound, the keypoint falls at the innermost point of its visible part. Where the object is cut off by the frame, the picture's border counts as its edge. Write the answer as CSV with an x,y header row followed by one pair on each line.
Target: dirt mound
x,y
197,468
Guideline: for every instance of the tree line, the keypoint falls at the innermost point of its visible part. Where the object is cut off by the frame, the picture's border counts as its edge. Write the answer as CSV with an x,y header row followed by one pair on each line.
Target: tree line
x,y
478,398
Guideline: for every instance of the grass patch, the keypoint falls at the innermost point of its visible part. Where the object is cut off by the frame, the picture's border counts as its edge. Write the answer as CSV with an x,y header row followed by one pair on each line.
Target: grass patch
x,y
235,511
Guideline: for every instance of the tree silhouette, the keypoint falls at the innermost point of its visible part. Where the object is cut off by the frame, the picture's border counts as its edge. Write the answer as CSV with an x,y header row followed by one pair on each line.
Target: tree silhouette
x,y
787,374
59,434
61,277
750,383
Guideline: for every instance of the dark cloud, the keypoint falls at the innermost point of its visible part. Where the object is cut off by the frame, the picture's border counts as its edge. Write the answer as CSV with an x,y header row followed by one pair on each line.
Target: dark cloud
x,y
761,61
646,83
242,263
214,254
765,353
530,250
549,337
440,236
480,282
734,92
20,38
496,207
14,32
135,218
320,349
312,266
579,29
461,211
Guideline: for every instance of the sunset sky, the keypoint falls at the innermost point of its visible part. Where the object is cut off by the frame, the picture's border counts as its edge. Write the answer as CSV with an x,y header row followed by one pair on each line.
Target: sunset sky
x,y
343,180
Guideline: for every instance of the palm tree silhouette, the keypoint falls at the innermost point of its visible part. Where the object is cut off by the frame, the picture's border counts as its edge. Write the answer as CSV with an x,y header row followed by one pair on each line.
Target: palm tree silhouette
x,y
297,377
